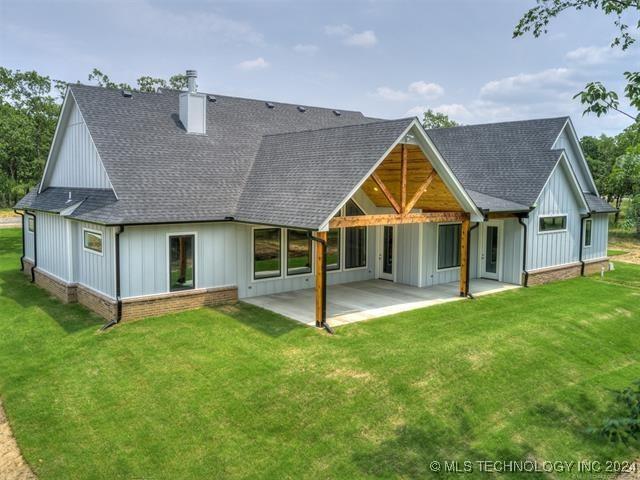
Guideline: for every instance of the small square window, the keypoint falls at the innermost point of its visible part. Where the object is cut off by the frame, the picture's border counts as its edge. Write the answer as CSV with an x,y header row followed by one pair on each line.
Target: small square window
x,y
93,241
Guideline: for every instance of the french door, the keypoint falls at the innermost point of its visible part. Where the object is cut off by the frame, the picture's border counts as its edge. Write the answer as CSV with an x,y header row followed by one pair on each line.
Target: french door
x,y
386,250
491,250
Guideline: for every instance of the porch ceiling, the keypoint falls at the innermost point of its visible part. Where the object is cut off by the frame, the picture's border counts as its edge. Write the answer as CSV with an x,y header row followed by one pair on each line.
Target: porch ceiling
x,y
358,301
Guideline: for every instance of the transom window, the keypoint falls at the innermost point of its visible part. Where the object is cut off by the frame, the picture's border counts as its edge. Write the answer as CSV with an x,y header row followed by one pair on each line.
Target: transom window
x,y
266,253
553,223
181,262
30,224
448,246
92,241
355,240
298,252
587,232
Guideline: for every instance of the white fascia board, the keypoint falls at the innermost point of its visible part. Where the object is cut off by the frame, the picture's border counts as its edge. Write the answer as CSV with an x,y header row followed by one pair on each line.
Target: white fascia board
x,y
577,145
64,112
564,161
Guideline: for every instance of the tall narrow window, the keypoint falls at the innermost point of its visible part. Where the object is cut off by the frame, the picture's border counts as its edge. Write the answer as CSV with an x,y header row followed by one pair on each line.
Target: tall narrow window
x,y
333,249
181,262
30,224
92,241
298,252
448,246
266,253
587,232
553,224
355,254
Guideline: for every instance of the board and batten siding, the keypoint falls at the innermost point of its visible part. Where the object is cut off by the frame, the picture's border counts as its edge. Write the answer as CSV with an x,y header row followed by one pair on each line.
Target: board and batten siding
x,y
555,248
567,142
144,256
599,237
92,269
75,161
512,251
53,246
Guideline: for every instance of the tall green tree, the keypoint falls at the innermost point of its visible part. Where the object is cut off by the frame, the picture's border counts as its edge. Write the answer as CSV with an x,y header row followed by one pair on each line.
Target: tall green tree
x,y
595,97
432,119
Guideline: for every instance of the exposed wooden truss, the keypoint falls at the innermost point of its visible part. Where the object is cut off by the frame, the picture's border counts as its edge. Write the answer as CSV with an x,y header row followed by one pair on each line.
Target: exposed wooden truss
x,y
421,190
387,193
394,219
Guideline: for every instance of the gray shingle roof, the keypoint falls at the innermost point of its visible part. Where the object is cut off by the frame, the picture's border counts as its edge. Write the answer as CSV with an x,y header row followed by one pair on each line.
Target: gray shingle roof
x,y
597,204
509,160
93,202
311,172
495,204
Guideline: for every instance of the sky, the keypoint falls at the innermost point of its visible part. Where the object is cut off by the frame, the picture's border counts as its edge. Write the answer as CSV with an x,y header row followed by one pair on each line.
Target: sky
x,y
386,58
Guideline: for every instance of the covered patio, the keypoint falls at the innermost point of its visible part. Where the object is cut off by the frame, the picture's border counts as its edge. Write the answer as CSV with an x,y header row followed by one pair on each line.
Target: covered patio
x,y
358,301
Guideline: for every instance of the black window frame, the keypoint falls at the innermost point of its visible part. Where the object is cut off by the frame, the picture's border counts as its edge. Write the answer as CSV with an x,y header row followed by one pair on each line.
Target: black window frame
x,y
455,263
348,232
338,266
31,224
544,227
309,269
253,251
588,232
193,261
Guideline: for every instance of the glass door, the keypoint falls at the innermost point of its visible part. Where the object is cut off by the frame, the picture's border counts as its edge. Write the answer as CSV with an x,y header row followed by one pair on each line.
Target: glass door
x,y
386,254
490,251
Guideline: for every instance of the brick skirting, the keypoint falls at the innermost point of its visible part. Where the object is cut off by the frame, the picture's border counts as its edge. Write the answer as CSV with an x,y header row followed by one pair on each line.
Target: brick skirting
x,y
153,305
63,291
96,302
563,272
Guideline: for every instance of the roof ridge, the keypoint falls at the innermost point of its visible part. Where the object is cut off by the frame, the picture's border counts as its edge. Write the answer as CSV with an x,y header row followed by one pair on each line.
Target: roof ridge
x,y
507,122
336,127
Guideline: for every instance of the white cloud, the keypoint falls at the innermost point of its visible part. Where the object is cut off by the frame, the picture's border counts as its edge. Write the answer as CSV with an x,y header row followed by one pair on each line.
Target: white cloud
x,y
307,49
255,64
366,38
426,90
455,111
417,111
594,55
554,83
387,93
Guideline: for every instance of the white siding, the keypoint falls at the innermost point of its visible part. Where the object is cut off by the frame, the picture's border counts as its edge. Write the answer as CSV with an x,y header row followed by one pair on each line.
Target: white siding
x,y
28,238
144,268
512,251
91,269
599,237
555,248
75,161
51,235
566,141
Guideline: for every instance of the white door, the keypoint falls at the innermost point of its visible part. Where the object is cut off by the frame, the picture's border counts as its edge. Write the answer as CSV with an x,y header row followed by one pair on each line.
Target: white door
x,y
386,252
490,257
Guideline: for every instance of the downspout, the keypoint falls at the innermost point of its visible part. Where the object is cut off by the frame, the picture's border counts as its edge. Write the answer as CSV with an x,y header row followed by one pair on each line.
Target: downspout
x,y
118,296
524,248
468,294
35,248
323,245
582,222
23,249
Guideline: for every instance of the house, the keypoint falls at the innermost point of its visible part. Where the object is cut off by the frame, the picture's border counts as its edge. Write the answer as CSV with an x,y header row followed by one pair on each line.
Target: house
x,y
157,202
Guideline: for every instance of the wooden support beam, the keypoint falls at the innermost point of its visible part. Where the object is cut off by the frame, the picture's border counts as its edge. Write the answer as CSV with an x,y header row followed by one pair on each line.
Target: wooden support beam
x,y
464,248
395,219
421,189
321,278
387,193
404,162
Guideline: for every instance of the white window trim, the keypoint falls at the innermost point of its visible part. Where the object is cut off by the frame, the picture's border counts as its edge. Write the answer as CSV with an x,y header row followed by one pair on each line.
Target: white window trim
x,y
343,240
448,269
195,260
285,237
545,232
33,219
97,232
590,220
340,253
282,256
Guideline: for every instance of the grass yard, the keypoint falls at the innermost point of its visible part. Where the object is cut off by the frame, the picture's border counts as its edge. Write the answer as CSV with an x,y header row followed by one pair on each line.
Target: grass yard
x,y
238,392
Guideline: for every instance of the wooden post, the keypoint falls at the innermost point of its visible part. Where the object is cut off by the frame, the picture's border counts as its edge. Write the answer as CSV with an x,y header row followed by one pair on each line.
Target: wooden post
x,y
403,177
464,247
321,279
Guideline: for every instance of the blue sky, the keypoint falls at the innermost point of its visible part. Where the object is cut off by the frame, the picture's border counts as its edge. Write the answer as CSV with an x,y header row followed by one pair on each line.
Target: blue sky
x,y
385,58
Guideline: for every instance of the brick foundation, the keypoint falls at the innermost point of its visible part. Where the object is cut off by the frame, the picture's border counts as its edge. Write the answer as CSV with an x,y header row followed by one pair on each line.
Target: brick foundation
x,y
153,305
96,302
63,291
551,274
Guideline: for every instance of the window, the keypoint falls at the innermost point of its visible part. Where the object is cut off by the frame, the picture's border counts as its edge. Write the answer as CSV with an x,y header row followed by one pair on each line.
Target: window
x,y
30,224
298,252
266,253
92,241
333,249
181,262
448,246
355,254
553,224
587,232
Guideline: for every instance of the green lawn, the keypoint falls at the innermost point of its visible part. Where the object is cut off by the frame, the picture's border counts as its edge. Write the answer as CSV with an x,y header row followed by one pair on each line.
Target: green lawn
x,y
238,392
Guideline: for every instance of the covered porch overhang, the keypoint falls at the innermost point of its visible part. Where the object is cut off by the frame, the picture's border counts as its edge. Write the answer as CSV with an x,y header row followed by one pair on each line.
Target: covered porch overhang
x,y
357,301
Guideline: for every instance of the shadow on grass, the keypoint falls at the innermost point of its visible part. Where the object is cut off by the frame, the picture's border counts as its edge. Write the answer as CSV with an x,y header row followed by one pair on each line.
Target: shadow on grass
x,y
259,319
72,318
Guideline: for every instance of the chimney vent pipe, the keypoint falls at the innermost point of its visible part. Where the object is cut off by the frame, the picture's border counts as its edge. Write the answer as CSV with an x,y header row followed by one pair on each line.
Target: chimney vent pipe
x,y
192,75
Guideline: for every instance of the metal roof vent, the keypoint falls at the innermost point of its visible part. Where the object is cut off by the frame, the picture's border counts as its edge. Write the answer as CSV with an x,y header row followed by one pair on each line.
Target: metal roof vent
x,y
302,109
69,199
212,98
127,93
269,105
337,113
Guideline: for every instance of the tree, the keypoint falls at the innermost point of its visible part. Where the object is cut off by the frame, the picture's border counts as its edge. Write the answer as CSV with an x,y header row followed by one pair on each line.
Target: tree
x,y
433,119
595,97
624,180
145,83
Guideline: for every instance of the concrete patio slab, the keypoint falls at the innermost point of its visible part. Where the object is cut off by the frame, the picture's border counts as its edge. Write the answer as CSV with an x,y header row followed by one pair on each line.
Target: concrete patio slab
x,y
357,301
